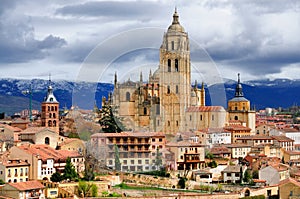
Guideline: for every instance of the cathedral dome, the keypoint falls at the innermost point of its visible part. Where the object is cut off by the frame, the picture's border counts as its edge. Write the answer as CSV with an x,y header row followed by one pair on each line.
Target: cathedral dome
x,y
175,26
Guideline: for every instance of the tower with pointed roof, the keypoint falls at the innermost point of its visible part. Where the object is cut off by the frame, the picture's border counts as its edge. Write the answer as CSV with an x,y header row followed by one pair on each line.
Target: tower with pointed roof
x,y
50,110
239,109
175,76
160,103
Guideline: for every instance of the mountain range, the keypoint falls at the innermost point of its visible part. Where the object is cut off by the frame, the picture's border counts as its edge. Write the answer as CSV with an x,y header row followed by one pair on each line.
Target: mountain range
x,y
262,93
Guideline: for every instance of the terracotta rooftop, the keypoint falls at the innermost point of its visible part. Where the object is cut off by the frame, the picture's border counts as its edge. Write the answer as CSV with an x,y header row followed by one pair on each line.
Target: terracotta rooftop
x,y
293,152
232,168
255,137
237,127
205,109
46,152
289,180
14,163
183,144
34,130
14,129
28,185
282,138
128,134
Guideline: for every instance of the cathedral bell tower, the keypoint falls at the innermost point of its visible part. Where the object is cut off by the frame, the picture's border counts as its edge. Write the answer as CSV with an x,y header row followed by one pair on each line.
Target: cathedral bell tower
x,y
174,77
50,110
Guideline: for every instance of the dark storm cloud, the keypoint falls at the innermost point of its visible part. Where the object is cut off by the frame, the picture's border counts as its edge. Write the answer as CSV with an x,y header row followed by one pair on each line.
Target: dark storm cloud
x,y
17,39
118,9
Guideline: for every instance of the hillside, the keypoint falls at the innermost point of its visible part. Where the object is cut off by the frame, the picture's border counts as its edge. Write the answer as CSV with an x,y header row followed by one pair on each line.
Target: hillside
x,y
263,93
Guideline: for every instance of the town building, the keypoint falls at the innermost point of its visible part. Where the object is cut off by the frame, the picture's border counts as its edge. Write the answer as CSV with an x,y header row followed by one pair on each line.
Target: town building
x,y
136,151
44,160
24,190
14,170
188,155
50,110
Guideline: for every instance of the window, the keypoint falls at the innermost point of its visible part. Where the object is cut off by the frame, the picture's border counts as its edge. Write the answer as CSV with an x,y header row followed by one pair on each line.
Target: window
x,y
190,117
54,123
49,123
177,123
127,96
176,65
52,108
131,161
110,162
168,90
169,123
236,118
54,116
47,140
169,65
212,117
145,111
125,162
50,115
201,118
146,161
139,161
177,90
173,46
160,139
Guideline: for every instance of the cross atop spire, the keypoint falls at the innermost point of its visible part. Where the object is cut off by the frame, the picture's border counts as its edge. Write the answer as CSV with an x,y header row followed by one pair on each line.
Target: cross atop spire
x,y
239,88
175,17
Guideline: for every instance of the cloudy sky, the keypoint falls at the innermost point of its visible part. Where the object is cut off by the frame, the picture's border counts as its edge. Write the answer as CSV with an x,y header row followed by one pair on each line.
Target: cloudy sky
x,y
72,39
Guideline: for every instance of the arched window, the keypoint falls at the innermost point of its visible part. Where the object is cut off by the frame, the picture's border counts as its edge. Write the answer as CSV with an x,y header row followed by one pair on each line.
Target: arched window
x,y
169,65
56,108
51,99
145,111
169,123
168,90
177,123
48,108
50,115
177,90
127,96
173,45
176,65
54,115
47,140
52,108
54,123
236,118
49,123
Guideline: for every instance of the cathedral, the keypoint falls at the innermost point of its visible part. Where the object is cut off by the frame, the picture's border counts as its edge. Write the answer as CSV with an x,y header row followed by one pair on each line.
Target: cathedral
x,y
167,102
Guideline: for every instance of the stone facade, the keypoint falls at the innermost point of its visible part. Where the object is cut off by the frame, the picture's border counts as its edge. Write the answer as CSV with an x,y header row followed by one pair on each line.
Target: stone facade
x,y
160,104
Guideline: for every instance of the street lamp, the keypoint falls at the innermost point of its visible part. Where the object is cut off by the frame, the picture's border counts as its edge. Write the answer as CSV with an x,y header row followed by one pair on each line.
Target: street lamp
x,y
29,92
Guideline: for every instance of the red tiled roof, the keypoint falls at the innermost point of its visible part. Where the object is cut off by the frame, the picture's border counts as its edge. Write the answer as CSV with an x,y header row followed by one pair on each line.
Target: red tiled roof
x,y
237,127
289,180
282,138
28,185
205,109
34,130
255,137
14,163
46,152
183,143
128,134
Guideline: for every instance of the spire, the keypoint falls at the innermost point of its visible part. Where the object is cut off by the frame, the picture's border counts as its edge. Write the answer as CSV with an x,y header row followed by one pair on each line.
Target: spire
x,y
116,80
239,89
175,17
50,96
141,77
196,85
202,86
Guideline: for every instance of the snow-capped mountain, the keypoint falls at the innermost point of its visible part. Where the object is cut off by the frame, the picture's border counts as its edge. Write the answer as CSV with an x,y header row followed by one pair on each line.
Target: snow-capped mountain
x,y
261,93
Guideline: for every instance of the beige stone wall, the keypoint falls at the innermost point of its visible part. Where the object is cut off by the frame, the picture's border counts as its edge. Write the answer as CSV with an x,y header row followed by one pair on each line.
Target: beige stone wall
x,y
286,189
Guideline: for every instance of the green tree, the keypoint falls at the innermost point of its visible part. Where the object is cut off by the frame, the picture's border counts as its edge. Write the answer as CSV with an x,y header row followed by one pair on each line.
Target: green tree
x,y
108,122
117,159
1,182
158,159
69,171
89,175
56,177
87,189
247,178
255,174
